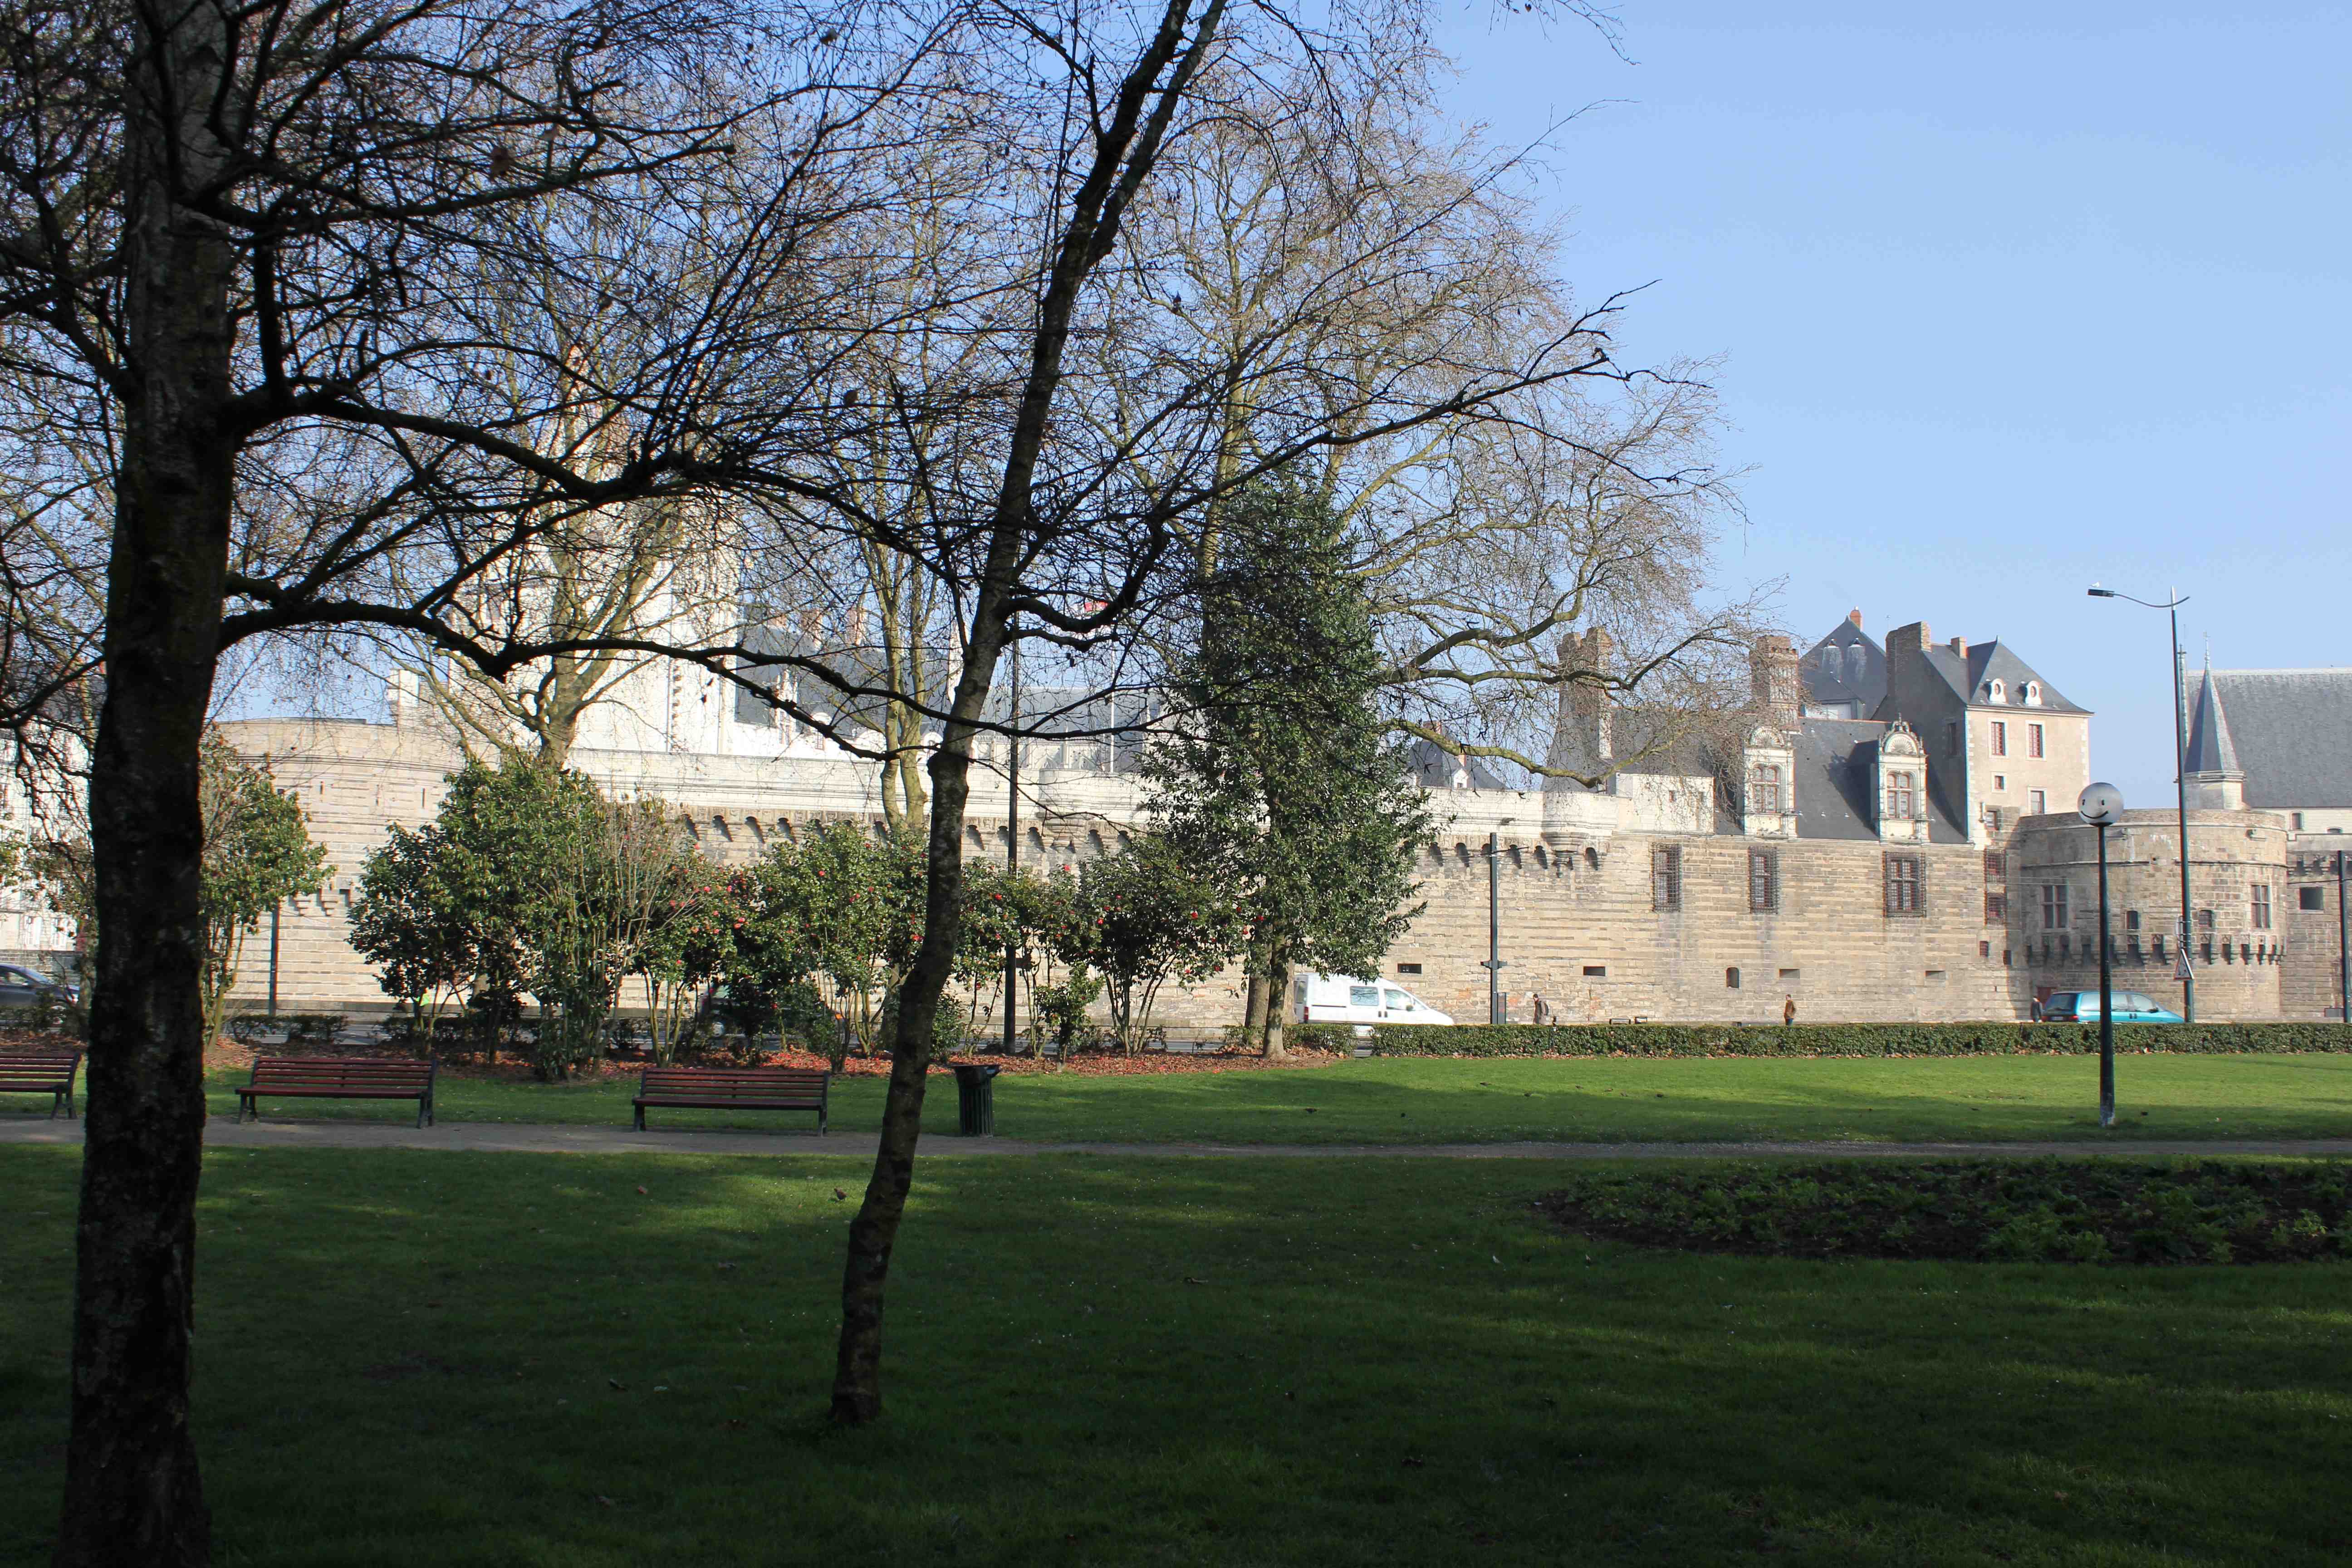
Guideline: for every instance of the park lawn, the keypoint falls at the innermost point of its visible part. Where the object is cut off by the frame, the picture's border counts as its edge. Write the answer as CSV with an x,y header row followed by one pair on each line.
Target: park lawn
x,y
1584,1099
414,1357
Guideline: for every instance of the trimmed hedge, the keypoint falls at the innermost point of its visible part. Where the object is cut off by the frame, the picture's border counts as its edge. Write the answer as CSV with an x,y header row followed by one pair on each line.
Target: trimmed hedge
x,y
1986,1039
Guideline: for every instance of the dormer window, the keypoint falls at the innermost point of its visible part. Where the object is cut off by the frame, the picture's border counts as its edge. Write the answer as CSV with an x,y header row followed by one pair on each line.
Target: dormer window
x,y
1997,690
1764,790
2033,694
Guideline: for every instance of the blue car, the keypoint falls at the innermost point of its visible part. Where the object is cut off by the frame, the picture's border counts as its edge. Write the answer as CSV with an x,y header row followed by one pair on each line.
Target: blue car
x,y
2083,1007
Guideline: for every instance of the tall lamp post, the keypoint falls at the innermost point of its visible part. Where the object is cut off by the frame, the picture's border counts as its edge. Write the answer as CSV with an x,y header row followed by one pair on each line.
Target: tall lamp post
x,y
1013,835
2102,805
1494,964
2188,970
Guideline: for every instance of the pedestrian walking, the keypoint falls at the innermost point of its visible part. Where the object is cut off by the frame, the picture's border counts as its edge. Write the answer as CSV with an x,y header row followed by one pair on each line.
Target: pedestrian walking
x,y
1543,1008
1788,1011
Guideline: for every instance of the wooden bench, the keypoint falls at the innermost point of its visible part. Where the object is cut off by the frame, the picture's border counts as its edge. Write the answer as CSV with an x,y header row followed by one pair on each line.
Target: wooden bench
x,y
41,1072
733,1088
338,1077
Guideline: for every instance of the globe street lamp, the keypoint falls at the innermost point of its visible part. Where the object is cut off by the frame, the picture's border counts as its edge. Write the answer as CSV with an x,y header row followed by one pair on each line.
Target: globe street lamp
x,y
2181,966
2102,805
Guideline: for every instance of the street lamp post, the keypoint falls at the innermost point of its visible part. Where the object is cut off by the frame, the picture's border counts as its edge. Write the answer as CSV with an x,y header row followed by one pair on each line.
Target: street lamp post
x,y
2102,805
2343,945
1494,964
1013,835
2171,606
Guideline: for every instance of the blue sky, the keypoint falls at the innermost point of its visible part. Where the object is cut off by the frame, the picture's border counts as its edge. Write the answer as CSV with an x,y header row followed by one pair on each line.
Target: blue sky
x,y
2010,300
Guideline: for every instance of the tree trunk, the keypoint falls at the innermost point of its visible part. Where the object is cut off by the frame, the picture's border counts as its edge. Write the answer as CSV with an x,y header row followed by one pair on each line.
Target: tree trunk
x,y
1277,999
858,1374
1253,989
131,1492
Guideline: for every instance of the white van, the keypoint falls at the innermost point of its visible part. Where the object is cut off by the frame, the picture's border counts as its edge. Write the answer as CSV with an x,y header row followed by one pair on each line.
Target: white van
x,y
1346,999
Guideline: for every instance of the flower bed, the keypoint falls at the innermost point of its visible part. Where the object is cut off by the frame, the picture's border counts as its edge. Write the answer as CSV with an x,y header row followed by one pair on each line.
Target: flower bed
x,y
2047,1211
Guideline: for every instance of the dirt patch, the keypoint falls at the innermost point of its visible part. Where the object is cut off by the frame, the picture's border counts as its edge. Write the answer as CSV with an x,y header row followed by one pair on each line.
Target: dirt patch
x,y
2047,1211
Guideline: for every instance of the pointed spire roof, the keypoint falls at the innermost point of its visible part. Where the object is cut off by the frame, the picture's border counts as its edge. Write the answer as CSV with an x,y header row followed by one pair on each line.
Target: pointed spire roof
x,y
2210,749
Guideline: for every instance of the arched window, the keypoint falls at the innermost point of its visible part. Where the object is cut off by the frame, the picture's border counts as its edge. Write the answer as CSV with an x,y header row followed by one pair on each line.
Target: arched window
x,y
1997,690
2033,694
1764,789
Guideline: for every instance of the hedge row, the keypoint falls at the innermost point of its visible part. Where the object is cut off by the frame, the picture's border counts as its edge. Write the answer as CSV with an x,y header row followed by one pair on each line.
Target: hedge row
x,y
1847,1039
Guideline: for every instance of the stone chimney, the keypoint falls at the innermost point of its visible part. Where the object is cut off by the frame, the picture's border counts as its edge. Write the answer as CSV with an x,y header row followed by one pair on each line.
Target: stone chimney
x,y
1906,652
1773,674
1856,617
1960,647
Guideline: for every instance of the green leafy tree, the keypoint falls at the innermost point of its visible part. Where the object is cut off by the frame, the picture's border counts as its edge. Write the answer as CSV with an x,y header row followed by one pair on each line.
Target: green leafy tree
x,y
530,882
1144,917
1284,788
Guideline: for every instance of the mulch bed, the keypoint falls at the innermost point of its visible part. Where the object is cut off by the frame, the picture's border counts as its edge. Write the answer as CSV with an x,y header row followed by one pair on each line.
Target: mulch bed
x,y
2058,1211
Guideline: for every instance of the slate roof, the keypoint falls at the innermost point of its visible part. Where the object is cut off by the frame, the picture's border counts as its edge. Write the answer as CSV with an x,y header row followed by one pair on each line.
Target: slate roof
x,y
1432,766
2293,729
2211,747
1837,777
1857,673
1970,674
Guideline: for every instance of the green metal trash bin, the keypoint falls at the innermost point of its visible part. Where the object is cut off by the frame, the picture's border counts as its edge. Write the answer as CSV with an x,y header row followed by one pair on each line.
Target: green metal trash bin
x,y
976,1098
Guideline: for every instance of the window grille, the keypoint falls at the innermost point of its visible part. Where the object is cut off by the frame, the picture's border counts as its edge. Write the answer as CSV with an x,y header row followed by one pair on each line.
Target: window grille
x,y
1904,890
2033,740
1763,880
1666,879
1901,797
1996,907
1999,738
2054,906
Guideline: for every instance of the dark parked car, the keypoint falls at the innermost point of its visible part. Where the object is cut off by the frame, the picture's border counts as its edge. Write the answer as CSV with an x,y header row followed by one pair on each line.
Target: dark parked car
x,y
23,988
2083,1007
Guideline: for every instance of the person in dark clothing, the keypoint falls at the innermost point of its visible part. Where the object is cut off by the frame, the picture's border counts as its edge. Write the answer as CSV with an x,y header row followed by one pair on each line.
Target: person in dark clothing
x,y
1788,1011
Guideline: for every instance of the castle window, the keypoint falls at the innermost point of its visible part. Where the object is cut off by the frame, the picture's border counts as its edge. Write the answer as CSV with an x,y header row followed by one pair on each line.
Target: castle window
x,y
1666,879
2204,919
1408,969
2131,919
2294,820
2036,803
2033,740
1596,971
1996,867
1902,796
2033,694
2311,897
2054,906
1764,790
1996,907
1904,889
1952,737
2262,906
1731,980
1763,881
2000,730
1998,692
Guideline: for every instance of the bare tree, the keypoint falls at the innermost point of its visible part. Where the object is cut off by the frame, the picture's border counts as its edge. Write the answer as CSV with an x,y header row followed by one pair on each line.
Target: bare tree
x,y
259,257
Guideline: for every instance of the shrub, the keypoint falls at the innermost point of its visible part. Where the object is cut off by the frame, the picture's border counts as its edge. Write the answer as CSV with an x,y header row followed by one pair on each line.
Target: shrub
x,y
1848,1039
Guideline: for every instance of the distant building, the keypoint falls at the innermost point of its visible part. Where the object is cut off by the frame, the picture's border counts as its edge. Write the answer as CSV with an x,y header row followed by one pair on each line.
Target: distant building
x,y
1844,674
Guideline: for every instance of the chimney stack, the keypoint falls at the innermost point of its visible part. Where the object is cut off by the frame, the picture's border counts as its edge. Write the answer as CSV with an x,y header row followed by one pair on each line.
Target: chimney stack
x,y
1772,673
1856,617
1960,647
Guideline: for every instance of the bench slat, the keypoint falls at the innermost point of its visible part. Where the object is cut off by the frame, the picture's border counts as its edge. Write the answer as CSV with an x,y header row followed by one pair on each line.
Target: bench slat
x,y
41,1072
339,1078
734,1089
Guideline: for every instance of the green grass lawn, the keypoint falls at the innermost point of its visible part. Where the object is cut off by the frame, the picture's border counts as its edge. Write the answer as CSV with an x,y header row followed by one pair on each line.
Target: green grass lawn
x,y
409,1357
1496,1100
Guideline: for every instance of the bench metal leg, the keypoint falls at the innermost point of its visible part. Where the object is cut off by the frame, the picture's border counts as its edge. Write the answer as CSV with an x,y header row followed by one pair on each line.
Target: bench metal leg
x,y
641,1118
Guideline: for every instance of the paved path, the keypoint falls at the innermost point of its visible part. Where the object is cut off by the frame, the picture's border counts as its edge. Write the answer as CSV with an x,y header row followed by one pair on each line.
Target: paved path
x,y
530,1138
